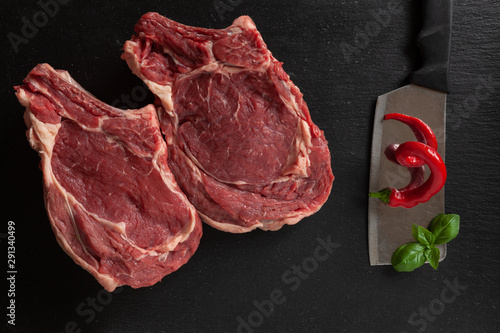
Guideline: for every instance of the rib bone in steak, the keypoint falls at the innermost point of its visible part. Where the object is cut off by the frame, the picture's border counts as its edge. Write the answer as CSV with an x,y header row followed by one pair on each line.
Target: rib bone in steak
x,y
242,144
113,203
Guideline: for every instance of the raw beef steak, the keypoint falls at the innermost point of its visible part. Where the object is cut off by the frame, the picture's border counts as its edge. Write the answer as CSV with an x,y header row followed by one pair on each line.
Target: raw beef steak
x,y
112,201
242,144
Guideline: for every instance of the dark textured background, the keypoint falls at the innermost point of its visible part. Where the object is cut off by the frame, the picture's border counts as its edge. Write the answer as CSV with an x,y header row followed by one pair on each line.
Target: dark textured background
x,y
229,272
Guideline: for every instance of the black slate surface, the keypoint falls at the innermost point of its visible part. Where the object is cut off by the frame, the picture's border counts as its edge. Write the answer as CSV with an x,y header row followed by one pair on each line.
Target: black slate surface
x,y
342,55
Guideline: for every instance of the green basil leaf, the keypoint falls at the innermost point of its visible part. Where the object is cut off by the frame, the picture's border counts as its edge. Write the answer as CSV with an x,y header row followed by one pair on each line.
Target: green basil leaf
x,y
445,227
432,256
422,235
408,257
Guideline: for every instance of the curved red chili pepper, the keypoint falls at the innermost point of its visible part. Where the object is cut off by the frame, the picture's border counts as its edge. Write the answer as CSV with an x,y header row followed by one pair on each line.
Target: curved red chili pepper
x,y
414,155
422,132
411,196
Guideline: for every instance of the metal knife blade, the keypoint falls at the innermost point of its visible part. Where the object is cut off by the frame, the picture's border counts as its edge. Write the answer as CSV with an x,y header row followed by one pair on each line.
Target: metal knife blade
x,y
425,98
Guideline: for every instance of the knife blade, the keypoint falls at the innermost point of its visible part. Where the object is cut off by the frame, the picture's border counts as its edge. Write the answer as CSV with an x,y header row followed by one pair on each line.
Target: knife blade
x,y
424,98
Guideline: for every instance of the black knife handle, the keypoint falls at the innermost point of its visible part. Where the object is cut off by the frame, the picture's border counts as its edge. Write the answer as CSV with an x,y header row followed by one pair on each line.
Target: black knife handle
x,y
434,42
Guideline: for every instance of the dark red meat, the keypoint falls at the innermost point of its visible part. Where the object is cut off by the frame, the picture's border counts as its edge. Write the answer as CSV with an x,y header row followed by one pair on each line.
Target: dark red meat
x,y
242,144
112,200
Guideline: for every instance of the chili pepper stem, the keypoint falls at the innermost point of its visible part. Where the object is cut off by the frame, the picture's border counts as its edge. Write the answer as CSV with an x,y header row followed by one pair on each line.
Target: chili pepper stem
x,y
383,195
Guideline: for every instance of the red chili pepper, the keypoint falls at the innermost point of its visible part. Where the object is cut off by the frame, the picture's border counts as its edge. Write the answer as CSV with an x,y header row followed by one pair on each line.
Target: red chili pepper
x,y
414,155
422,132
412,195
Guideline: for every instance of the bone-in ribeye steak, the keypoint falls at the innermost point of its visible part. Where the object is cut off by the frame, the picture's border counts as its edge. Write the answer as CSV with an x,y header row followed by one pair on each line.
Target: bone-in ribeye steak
x,y
113,203
242,144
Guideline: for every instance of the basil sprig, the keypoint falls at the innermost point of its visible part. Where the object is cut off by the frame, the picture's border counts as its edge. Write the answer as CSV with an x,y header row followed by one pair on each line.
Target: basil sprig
x,y
442,229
